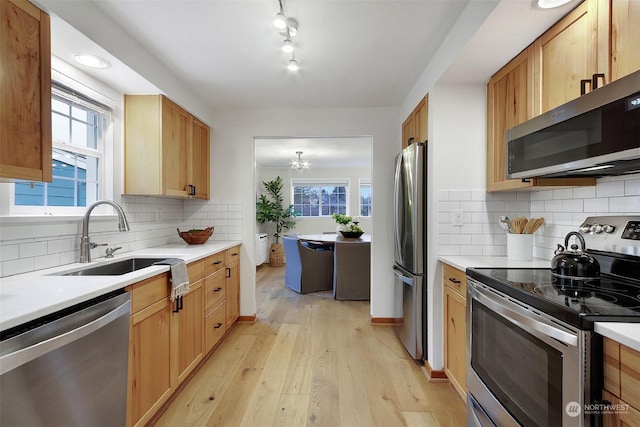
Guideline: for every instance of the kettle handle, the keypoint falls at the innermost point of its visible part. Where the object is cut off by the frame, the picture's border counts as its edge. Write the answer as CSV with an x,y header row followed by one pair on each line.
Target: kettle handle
x,y
579,237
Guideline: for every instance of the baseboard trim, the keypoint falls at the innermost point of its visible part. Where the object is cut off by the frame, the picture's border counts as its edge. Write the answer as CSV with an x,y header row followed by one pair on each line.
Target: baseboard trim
x,y
433,375
248,319
386,321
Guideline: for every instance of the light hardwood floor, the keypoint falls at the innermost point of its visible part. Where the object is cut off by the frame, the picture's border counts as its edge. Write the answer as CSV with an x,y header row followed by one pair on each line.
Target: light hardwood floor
x,y
311,360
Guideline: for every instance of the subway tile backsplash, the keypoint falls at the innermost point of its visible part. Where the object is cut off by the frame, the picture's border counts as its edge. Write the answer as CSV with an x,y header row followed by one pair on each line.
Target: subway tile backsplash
x,y
564,209
37,244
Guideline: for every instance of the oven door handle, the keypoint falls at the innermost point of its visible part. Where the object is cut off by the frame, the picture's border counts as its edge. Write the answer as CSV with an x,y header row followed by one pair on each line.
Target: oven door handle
x,y
523,318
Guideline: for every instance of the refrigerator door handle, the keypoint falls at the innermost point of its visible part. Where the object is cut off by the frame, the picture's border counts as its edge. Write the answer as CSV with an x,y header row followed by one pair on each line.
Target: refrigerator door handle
x,y
396,216
408,280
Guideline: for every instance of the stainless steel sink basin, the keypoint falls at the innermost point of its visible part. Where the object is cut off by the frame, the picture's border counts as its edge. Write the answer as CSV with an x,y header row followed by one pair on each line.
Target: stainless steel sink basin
x,y
116,268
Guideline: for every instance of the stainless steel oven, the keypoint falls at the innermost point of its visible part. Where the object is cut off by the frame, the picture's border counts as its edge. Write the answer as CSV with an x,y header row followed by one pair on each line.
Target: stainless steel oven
x,y
533,358
526,367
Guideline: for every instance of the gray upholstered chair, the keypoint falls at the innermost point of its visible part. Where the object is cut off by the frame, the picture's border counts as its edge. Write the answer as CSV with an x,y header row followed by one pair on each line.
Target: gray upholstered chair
x,y
352,272
317,268
293,265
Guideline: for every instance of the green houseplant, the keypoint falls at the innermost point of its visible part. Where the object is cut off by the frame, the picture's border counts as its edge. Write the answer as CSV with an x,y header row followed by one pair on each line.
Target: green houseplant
x,y
270,209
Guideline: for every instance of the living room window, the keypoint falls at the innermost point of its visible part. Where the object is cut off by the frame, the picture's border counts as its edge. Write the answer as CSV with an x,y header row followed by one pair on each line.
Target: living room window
x,y
365,198
80,129
320,198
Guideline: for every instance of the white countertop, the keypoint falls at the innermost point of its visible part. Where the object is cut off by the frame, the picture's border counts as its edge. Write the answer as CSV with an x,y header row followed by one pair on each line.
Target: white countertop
x,y
463,262
624,333
25,297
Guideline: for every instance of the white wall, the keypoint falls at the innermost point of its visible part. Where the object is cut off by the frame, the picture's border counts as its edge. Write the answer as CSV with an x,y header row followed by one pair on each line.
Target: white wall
x,y
317,225
232,171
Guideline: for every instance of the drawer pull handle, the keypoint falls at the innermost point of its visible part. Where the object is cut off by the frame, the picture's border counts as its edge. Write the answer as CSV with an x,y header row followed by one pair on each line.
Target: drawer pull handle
x,y
234,254
454,280
228,273
217,262
218,326
217,289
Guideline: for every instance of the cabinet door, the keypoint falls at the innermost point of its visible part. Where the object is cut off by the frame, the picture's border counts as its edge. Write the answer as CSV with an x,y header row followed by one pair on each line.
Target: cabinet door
x,y
509,103
176,124
189,342
421,119
408,130
149,362
625,37
566,54
232,290
199,159
25,92
455,339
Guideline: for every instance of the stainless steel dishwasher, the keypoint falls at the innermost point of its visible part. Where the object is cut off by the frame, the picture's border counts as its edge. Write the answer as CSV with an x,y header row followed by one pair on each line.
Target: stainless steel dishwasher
x,y
69,368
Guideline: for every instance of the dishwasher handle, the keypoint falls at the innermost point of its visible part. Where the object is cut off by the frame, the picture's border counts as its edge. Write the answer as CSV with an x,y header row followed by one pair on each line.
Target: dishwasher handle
x,y
20,357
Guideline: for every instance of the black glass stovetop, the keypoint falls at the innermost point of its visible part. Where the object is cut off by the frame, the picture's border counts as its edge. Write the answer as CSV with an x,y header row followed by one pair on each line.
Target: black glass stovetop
x,y
577,302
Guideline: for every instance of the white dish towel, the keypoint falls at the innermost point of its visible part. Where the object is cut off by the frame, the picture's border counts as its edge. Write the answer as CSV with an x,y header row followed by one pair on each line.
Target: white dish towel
x,y
179,277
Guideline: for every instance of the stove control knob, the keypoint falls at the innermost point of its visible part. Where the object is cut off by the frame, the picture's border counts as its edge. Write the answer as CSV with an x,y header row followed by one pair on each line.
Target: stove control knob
x,y
609,229
585,228
596,228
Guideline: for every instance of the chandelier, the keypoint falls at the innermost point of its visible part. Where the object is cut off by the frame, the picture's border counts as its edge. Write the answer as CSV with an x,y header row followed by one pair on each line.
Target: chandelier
x,y
287,27
299,163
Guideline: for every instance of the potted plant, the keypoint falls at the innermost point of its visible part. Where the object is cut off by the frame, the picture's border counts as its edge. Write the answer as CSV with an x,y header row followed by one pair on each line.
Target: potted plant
x,y
269,208
347,226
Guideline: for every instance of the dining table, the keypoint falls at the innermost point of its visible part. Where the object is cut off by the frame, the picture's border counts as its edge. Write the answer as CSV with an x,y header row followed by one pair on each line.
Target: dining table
x,y
330,238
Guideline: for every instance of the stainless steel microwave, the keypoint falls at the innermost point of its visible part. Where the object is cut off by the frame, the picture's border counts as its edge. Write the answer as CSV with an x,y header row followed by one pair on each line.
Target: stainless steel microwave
x,y
597,134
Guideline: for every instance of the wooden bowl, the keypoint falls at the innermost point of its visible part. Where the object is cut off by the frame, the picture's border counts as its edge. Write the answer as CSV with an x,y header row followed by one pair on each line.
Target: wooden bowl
x,y
195,236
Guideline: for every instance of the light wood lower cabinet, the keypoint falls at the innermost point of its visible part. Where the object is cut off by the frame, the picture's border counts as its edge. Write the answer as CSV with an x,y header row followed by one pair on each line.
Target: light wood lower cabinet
x,y
622,384
455,328
167,343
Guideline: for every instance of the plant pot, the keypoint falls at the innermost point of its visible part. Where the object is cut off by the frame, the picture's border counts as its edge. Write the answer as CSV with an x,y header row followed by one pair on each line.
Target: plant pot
x,y
276,255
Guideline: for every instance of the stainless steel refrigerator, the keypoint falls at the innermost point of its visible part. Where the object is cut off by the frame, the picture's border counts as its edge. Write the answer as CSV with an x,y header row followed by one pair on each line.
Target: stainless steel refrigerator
x,y
410,238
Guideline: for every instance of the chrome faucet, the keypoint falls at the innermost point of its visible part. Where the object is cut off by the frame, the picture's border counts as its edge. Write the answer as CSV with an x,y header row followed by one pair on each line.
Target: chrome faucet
x,y
85,242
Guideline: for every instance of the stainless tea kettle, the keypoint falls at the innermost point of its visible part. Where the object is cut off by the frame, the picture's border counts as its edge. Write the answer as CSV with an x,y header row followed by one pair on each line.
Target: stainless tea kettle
x,y
574,263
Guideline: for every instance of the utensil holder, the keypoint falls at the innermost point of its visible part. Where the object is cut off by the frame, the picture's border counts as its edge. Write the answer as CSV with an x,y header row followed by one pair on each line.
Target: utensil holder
x,y
520,247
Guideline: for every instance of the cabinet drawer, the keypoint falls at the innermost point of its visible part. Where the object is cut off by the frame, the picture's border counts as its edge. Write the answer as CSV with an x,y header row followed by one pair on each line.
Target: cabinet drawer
x,y
233,255
214,263
630,376
214,327
195,270
148,291
455,279
214,289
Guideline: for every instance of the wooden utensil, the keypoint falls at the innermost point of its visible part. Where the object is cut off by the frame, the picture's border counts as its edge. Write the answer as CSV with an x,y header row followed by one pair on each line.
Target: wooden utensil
x,y
536,223
518,224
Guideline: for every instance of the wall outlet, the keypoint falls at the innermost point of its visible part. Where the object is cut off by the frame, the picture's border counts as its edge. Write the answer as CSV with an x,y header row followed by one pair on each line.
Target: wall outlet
x,y
457,218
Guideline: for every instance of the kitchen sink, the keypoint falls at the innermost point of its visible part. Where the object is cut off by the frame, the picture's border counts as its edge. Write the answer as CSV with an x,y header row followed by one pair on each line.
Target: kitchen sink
x,y
115,268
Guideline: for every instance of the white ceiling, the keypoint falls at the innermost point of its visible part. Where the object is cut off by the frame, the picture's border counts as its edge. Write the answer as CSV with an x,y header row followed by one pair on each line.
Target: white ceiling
x,y
320,152
352,53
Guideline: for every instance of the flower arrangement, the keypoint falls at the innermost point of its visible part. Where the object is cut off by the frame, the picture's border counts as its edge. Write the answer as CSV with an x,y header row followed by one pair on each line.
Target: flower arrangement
x,y
348,223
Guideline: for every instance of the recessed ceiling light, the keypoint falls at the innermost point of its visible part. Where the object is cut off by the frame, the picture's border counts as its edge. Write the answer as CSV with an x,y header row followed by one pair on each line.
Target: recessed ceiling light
x,y
550,4
91,60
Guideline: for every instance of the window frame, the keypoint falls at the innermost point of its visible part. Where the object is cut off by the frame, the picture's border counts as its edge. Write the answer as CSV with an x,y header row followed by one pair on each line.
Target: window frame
x,y
103,153
320,182
365,182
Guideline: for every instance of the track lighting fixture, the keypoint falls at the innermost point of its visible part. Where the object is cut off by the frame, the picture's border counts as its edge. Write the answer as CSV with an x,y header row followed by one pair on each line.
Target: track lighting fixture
x,y
287,28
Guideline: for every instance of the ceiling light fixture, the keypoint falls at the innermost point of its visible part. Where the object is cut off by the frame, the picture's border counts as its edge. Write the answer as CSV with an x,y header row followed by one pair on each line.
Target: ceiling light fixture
x,y
287,28
550,4
299,163
91,60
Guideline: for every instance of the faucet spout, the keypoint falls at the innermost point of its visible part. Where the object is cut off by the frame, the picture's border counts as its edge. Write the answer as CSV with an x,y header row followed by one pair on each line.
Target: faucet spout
x,y
85,242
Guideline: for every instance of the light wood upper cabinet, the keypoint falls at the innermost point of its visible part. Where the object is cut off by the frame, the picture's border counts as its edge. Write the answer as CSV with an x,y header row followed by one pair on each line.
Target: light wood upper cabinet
x,y
165,149
625,37
416,124
25,92
566,54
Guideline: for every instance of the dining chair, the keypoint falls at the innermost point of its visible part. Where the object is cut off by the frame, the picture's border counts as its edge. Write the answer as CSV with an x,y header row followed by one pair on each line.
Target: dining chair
x,y
317,268
352,271
293,264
